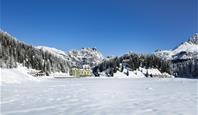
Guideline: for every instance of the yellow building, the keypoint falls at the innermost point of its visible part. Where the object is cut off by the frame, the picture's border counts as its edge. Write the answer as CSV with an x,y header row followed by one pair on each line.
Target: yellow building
x,y
80,72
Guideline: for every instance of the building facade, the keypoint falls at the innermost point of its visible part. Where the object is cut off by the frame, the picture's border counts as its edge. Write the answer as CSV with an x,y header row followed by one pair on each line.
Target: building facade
x,y
80,72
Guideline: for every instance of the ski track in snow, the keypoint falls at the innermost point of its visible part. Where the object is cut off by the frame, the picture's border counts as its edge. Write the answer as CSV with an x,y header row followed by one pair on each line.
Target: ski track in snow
x,y
90,96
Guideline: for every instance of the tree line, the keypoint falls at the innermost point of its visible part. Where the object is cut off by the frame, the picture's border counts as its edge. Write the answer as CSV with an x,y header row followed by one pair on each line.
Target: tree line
x,y
133,61
185,68
13,52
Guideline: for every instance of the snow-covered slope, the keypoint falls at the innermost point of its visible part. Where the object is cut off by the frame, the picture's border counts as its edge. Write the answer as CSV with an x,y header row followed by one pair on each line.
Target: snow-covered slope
x,y
16,75
187,50
15,51
54,51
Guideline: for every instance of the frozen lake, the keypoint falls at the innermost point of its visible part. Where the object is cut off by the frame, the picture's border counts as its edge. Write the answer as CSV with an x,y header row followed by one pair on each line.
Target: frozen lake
x,y
100,96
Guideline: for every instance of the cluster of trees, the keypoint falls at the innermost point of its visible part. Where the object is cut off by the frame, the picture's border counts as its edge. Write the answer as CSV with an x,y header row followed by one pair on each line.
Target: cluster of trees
x,y
13,52
179,68
185,68
133,61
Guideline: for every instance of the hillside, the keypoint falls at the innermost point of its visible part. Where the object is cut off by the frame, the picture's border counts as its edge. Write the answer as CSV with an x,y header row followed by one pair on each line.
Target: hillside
x,y
15,52
184,58
46,59
132,63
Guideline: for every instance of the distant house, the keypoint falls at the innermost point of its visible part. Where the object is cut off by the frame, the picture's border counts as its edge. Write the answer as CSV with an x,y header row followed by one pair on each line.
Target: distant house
x,y
77,72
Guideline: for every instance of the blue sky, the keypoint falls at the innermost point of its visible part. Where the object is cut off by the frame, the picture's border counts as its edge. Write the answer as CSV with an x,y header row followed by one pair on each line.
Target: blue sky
x,y
113,26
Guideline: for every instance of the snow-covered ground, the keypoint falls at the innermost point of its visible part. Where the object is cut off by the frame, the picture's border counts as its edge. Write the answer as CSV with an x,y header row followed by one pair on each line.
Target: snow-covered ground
x,y
22,74
98,96
16,75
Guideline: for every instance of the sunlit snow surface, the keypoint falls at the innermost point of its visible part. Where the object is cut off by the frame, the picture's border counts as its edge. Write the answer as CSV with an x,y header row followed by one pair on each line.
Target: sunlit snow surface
x,y
101,96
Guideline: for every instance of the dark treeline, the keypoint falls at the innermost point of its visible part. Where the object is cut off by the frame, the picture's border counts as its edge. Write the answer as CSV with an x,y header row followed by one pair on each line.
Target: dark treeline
x,y
133,61
179,68
185,68
13,52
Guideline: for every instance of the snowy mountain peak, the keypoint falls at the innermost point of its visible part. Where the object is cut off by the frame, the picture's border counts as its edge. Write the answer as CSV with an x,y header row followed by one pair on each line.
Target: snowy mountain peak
x,y
93,52
186,50
194,39
84,56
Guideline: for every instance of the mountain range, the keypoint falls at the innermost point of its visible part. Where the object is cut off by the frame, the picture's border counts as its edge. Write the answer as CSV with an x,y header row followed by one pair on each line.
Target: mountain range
x,y
180,61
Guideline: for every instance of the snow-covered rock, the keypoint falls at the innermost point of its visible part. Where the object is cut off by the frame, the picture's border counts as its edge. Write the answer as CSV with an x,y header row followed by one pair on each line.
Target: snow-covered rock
x,y
84,56
194,39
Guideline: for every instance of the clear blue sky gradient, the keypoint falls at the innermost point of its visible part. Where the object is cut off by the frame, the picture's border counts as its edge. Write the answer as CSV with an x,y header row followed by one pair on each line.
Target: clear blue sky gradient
x,y
113,26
